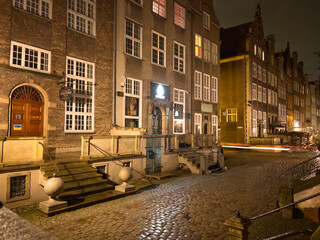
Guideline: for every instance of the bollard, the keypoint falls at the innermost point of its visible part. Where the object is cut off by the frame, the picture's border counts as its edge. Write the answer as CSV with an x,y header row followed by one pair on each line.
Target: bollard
x,y
238,227
285,198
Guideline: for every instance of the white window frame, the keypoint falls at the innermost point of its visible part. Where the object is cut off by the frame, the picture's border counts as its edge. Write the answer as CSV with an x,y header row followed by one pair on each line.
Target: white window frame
x,y
206,20
214,53
269,97
259,93
259,73
206,87
179,98
23,5
214,121
179,15
254,123
197,85
85,86
197,122
133,38
74,16
264,95
179,57
254,91
214,89
14,57
264,119
197,45
159,7
206,49
232,115
264,75
254,70
158,49
133,90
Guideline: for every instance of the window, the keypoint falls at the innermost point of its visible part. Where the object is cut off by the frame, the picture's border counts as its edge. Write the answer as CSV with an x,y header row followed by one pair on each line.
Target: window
x,y
179,15
232,115
264,77
272,80
269,97
197,123
259,52
197,85
158,49
215,126
255,49
259,93
206,20
214,56
272,98
79,111
42,8
140,2
276,99
179,108
214,89
133,39
259,73
264,95
159,7
31,58
264,119
254,91
206,49
197,45
132,98
254,123
18,187
254,70
262,55
81,16
179,57
206,87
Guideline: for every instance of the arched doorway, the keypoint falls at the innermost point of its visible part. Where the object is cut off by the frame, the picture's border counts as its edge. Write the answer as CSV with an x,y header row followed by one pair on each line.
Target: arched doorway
x,y
156,121
27,108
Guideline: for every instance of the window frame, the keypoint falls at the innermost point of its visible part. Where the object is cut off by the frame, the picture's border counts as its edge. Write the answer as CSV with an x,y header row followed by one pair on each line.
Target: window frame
x,y
206,49
214,53
157,49
215,124
23,57
206,20
179,58
179,17
197,122
254,70
86,88
133,38
259,93
197,45
155,7
231,115
214,89
132,93
197,85
254,91
206,87
24,7
178,101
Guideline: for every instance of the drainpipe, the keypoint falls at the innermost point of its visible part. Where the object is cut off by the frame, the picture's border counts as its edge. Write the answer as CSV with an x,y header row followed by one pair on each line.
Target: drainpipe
x,y
5,139
190,67
114,62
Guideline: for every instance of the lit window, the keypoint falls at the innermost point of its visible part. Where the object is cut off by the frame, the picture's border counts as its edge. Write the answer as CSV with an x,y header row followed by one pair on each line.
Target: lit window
x,y
27,57
232,115
179,108
206,20
158,49
133,39
206,49
206,87
79,110
159,7
133,94
197,85
197,123
81,16
215,126
255,49
264,97
254,124
42,8
197,45
254,91
214,90
179,15
179,57
259,93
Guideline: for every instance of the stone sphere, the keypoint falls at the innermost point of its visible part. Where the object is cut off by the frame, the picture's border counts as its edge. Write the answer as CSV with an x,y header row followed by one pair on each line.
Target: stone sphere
x,y
125,174
53,186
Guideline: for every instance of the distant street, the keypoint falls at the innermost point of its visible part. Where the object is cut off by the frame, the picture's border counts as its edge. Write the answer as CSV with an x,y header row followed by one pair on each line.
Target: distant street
x,y
193,207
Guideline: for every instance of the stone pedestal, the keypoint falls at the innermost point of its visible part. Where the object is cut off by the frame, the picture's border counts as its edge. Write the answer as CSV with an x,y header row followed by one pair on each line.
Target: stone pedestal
x,y
125,187
285,198
52,205
238,227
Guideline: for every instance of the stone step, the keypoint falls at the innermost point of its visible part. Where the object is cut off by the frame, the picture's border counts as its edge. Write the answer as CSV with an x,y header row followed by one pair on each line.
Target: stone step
x,y
80,176
67,172
85,190
67,165
84,183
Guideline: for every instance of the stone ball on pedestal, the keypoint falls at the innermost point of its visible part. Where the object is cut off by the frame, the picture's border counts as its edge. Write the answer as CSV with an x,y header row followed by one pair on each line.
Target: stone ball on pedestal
x,y
53,186
125,174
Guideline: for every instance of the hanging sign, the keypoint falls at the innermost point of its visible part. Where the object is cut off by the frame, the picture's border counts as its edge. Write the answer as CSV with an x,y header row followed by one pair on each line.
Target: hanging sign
x,y
65,93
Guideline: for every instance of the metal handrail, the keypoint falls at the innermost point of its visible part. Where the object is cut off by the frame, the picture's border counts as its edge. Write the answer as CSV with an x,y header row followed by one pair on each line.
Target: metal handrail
x,y
47,152
286,206
113,159
290,233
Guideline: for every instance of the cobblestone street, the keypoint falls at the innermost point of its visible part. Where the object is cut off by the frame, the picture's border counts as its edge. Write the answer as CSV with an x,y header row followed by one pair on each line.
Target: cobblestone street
x,y
193,207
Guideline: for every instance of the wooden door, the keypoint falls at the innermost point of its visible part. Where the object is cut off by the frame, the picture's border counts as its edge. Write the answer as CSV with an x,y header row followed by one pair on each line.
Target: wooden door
x,y
26,112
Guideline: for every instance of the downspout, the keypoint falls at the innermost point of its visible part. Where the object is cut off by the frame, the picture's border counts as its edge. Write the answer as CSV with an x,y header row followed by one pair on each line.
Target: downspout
x,y
114,102
190,68
245,100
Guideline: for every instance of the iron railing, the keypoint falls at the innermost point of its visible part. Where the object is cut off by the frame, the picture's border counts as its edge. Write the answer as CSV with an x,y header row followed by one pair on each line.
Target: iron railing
x,y
51,159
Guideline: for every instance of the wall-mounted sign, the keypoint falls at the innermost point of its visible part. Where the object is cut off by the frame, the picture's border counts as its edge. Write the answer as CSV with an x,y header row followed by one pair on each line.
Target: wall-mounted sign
x,y
17,127
160,91
65,93
205,107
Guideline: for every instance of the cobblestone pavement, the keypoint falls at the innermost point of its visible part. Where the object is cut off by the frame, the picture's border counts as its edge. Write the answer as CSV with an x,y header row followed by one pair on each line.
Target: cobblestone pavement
x,y
193,207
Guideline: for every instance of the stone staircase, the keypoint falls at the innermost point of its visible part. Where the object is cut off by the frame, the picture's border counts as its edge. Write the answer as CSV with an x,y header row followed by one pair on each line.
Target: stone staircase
x,y
83,186
191,158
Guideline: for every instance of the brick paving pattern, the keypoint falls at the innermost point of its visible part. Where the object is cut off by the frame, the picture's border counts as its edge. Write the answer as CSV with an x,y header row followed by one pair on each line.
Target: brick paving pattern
x,y
193,207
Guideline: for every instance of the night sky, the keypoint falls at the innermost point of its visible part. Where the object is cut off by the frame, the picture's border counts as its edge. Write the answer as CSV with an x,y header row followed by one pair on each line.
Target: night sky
x,y
293,21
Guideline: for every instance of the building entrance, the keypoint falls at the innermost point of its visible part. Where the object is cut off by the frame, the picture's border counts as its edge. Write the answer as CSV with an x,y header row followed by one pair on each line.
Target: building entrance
x,y
26,112
156,121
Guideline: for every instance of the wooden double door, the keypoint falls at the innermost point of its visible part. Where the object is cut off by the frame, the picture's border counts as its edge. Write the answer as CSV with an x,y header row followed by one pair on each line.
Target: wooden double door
x,y
27,113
